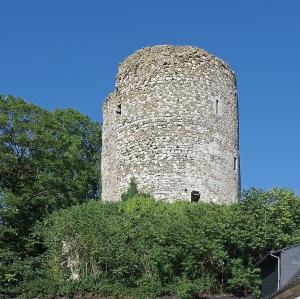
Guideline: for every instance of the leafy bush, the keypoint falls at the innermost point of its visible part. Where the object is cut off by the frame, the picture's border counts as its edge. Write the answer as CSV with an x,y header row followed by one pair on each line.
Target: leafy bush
x,y
145,248
133,191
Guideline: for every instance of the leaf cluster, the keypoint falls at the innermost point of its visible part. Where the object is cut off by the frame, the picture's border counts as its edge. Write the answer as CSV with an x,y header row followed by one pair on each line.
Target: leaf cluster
x,y
145,248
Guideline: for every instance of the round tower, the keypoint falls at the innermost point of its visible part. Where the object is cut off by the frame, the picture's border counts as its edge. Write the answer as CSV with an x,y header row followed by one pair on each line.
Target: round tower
x,y
172,124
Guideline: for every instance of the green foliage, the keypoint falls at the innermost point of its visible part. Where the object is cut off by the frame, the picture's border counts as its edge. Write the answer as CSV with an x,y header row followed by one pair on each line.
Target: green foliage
x,y
51,158
48,161
144,248
132,191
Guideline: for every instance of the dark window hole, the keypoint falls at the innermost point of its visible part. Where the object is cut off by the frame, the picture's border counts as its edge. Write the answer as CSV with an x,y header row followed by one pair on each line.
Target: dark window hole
x,y
118,110
195,196
217,106
235,163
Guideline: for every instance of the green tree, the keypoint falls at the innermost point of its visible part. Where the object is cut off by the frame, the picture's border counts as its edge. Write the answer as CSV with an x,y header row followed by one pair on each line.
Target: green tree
x,y
48,161
48,154
259,223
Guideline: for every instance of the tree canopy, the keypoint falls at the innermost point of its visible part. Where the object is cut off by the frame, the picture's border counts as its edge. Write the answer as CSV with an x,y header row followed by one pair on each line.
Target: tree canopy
x,y
142,248
48,161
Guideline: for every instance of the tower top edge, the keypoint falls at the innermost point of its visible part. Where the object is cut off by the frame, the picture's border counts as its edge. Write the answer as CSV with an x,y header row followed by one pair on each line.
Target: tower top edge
x,y
160,53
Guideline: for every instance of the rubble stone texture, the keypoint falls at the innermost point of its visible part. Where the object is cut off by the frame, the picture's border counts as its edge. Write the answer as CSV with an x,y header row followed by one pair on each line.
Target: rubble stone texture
x,y
172,124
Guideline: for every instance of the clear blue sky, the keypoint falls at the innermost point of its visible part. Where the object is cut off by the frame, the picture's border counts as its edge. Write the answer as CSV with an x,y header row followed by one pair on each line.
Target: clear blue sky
x,y
64,53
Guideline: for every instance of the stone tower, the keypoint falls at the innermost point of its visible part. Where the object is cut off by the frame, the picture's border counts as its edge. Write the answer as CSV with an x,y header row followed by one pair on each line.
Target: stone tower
x,y
172,124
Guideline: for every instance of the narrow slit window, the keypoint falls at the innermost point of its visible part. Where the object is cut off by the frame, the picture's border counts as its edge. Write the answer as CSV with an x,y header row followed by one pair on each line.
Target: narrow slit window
x,y
195,196
118,110
235,163
217,107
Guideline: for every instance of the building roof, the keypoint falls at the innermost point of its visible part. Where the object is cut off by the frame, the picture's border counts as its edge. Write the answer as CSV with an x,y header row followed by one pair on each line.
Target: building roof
x,y
277,252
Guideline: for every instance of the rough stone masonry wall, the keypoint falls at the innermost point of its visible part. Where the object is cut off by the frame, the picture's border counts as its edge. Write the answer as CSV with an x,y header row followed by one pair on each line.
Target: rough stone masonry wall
x,y
172,123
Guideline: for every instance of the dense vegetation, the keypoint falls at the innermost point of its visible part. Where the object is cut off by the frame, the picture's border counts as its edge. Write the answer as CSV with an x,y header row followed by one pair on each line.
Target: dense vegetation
x,y
48,161
144,248
57,240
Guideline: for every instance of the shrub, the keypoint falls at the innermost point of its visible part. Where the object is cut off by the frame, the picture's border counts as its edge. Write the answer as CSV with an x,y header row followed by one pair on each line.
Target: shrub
x,y
145,248
133,191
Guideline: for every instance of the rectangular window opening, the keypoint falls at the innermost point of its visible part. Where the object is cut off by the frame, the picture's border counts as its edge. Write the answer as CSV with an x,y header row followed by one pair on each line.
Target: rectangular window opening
x,y
195,196
217,106
235,163
118,110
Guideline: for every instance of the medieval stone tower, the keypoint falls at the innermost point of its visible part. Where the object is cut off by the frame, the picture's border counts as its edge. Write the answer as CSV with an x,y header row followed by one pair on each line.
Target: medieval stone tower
x,y
172,124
